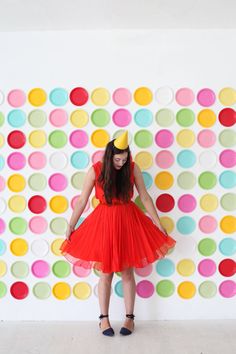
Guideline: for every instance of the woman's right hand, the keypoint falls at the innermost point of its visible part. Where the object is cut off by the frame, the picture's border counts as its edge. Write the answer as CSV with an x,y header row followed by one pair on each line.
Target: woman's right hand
x,y
69,230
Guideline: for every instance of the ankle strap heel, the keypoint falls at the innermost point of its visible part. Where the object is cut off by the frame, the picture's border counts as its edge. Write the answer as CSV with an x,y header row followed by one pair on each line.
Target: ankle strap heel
x,y
130,316
102,316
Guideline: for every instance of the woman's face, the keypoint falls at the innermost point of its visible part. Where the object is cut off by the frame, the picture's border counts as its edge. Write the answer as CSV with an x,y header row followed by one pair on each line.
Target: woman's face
x,y
119,160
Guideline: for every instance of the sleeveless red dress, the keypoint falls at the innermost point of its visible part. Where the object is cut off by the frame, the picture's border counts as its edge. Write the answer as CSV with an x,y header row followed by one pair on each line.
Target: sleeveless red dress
x,y
113,238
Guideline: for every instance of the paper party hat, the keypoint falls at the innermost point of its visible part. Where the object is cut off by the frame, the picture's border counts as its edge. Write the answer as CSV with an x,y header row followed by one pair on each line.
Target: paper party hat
x,y
122,141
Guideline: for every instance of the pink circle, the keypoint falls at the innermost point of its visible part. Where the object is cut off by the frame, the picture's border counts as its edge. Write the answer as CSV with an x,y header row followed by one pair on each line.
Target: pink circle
x,y
184,96
2,183
79,138
16,161
145,271
164,138
37,160
227,288
58,182
207,224
145,288
81,271
58,117
40,269
228,158
74,201
122,96
16,98
164,159
207,267
97,156
187,203
206,97
2,226
38,225
121,117
206,138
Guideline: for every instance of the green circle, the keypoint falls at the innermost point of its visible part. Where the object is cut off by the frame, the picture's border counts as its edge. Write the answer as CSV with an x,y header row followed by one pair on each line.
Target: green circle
x,y
227,138
185,117
207,289
207,180
186,180
77,180
3,289
165,288
139,203
207,246
18,225
42,290
165,117
58,226
61,269
2,119
96,272
37,181
228,201
37,118
20,269
100,117
57,139
143,138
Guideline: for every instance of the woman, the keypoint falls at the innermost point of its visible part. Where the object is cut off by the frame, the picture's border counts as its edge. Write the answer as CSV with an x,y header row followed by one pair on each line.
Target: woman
x,y
117,236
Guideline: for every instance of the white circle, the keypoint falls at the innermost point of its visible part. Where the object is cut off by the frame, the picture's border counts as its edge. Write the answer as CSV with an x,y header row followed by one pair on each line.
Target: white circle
x,y
2,205
164,95
58,160
1,97
40,247
207,159
185,246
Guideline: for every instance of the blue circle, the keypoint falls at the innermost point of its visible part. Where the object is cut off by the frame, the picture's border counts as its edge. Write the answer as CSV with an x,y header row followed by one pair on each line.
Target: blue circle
x,y
228,179
186,225
143,117
147,179
2,162
2,247
58,97
165,267
119,288
80,159
228,246
186,158
16,118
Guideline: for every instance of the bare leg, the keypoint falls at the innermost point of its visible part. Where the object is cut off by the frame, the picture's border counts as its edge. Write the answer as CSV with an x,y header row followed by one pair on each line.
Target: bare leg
x,y
104,292
129,288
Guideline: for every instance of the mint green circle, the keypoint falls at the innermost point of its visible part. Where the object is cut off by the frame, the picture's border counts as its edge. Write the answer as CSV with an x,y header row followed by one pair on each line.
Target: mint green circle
x,y
20,269
2,119
185,117
139,203
207,289
77,180
227,138
42,290
165,117
207,246
57,139
228,201
37,181
3,289
119,289
186,180
18,225
58,226
61,269
143,138
100,117
207,180
165,288
37,118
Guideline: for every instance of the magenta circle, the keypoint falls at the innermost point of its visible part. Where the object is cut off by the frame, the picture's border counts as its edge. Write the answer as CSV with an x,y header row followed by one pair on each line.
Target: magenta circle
x,y
38,225
184,96
164,159
206,138
187,203
164,138
2,183
37,160
16,161
122,117
2,226
145,288
58,117
207,267
207,224
145,271
206,97
16,98
228,158
58,182
227,288
40,269
74,201
81,271
122,96
79,138
97,156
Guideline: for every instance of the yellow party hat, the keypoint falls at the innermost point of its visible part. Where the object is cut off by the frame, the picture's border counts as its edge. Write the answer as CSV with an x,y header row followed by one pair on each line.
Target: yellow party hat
x,y
122,141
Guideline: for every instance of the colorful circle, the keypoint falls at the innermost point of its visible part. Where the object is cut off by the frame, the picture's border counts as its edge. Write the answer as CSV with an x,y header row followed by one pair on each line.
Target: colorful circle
x,y
100,117
20,269
16,183
227,158
206,138
164,159
165,117
185,117
17,203
164,180
206,247
187,203
57,139
16,118
61,291
79,118
144,160
143,96
227,179
79,138
207,224
100,138
165,202
209,202
79,96
16,139
58,160
165,288
80,159
227,246
186,225
19,247
58,96
164,138
227,117
37,160
184,96
186,290
207,180
227,138
186,158
227,288
143,117
228,224
61,269
228,201
58,117
186,180
58,182
206,118
227,96
16,98
16,161
41,290
164,95
122,117
37,97
100,96
37,118
145,289
38,224
37,204
58,204
82,290
38,138
19,290
206,97
185,138
207,267
37,182
122,96
40,269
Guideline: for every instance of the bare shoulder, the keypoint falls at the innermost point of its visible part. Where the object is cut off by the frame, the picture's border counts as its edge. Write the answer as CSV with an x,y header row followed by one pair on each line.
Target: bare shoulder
x,y
91,173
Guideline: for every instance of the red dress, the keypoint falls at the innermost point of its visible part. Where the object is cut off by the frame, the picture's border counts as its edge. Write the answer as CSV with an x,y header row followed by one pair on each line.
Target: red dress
x,y
113,238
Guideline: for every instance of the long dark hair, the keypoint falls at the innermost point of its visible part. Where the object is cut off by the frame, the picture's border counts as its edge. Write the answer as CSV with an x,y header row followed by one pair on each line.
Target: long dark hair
x,y
115,183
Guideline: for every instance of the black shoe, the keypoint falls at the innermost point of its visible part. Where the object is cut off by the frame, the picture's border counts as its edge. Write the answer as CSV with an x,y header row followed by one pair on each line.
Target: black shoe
x,y
109,331
125,331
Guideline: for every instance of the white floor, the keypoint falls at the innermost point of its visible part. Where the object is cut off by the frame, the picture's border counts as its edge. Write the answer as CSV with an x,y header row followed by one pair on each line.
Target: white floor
x,y
149,337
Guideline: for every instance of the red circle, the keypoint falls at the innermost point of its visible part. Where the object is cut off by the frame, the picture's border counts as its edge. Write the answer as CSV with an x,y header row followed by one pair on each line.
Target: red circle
x,y
227,117
165,202
37,204
19,290
79,96
16,139
227,267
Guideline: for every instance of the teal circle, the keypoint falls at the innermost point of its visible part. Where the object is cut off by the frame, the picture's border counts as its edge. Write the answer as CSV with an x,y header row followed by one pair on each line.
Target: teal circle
x,y
100,117
228,201
61,269
185,117
147,179
165,117
57,139
80,159
119,289
42,290
186,158
2,119
207,180
2,247
79,222
143,117
207,289
186,180
143,138
16,118
18,225
37,118
228,246
58,97
227,138
207,246
3,289
165,288
20,269
186,225
165,267
228,179
2,162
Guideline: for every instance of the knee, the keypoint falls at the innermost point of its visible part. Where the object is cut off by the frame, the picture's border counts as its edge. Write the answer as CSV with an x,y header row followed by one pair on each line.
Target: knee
x,y
127,274
106,277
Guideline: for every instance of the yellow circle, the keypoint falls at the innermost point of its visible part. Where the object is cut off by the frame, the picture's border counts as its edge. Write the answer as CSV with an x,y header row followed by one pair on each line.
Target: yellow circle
x,y
206,118
37,97
2,140
95,202
58,204
227,96
209,202
79,118
144,160
100,96
186,290
16,183
167,223
164,180
3,268
100,138
228,224
55,246
82,290
185,137
61,290
143,96
186,267
38,138
19,247
17,203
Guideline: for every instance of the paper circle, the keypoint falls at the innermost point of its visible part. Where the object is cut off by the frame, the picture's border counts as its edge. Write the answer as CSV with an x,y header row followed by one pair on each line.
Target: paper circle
x,y
58,117
79,96
164,138
58,96
57,139
143,117
38,224
37,97
164,95
164,159
206,138
185,117
19,290
100,96
37,118
206,97
122,96
58,160
40,269
143,96
184,96
16,118
122,117
16,98
37,160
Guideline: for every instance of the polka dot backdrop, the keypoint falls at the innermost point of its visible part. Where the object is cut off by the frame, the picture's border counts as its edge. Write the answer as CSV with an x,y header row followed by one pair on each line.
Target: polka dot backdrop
x,y
183,140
